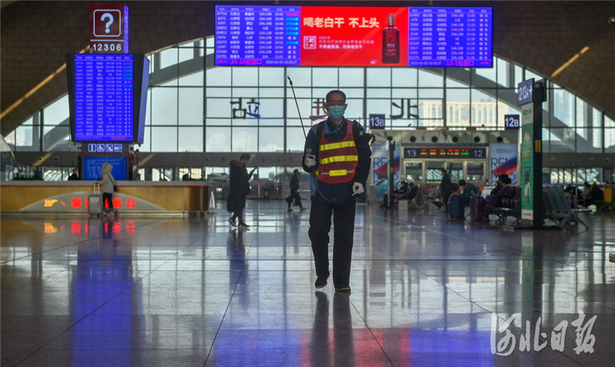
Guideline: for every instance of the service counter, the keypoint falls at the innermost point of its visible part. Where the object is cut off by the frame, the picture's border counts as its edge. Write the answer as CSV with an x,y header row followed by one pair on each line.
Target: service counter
x,y
132,196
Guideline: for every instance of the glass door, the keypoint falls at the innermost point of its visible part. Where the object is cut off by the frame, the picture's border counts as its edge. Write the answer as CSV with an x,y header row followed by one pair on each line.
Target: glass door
x,y
414,171
434,171
475,172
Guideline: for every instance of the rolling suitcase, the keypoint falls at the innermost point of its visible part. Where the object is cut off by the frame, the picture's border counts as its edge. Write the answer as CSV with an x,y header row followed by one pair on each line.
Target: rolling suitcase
x,y
95,201
476,207
455,210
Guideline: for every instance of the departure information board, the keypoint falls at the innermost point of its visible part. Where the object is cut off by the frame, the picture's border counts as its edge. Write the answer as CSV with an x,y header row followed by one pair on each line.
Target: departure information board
x,y
104,97
92,167
445,153
450,37
354,36
107,96
257,35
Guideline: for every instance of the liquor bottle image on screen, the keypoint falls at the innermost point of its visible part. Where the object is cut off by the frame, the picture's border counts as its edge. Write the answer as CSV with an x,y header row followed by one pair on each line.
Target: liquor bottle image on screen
x,y
390,42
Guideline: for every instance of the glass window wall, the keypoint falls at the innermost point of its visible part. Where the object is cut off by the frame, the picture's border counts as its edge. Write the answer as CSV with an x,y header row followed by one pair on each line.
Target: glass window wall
x,y
194,106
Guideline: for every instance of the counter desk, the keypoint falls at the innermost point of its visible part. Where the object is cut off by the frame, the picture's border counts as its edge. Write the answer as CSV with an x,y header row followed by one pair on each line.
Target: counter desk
x,y
131,197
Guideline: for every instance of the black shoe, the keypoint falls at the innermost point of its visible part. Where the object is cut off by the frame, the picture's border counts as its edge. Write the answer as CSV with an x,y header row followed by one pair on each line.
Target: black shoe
x,y
321,282
243,225
344,289
232,222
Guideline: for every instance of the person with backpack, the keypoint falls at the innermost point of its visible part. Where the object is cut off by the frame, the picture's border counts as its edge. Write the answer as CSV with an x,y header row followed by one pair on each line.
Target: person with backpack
x,y
338,158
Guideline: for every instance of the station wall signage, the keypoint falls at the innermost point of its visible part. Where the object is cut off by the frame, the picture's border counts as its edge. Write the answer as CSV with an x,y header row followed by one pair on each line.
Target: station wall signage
x,y
467,153
109,28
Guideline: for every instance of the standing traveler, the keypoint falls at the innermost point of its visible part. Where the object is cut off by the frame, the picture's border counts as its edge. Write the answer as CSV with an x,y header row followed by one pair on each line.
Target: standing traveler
x,y
338,157
74,176
294,191
445,188
240,188
107,185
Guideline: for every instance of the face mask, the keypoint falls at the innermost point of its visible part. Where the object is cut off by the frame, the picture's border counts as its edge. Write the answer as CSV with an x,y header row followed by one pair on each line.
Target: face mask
x,y
336,112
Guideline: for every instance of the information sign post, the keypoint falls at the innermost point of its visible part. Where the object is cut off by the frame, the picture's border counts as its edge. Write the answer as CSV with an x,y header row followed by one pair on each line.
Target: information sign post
x,y
530,97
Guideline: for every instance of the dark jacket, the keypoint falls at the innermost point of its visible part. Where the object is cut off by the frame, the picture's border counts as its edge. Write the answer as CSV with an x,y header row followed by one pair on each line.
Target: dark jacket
x,y
294,183
445,184
240,178
468,191
341,192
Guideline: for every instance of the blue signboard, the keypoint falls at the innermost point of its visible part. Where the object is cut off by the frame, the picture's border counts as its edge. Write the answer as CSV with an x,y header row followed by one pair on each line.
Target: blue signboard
x,y
92,167
525,92
511,122
376,121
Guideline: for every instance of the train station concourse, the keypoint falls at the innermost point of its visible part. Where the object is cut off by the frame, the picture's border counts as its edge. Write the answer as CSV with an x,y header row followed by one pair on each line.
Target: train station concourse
x,y
157,101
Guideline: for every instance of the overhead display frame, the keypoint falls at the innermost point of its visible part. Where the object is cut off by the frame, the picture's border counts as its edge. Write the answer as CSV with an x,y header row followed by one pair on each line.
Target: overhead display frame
x,y
354,36
107,97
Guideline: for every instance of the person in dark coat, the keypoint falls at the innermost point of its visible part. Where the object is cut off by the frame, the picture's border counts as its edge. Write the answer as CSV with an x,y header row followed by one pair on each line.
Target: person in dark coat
x,y
469,190
445,188
74,176
294,191
240,188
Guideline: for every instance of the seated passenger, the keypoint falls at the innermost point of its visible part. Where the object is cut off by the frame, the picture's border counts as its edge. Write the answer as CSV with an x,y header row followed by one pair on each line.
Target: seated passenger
x,y
597,195
403,190
414,190
505,191
469,190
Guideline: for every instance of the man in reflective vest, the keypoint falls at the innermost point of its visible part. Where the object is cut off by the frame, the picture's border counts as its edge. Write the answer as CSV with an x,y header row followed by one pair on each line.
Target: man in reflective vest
x,y
338,157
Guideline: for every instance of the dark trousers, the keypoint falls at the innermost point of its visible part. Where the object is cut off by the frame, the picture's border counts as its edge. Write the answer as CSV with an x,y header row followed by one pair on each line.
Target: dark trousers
x,y
239,203
343,231
294,195
107,198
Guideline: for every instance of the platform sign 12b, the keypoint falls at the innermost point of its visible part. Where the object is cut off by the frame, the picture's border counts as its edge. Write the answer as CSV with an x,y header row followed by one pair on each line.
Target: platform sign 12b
x,y
109,28
511,122
376,122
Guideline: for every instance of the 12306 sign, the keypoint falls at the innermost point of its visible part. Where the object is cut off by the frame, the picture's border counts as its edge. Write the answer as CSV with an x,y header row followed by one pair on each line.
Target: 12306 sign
x,y
109,28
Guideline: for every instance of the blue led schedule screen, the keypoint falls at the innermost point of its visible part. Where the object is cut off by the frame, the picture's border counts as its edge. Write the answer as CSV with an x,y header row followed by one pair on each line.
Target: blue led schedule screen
x,y
257,35
450,37
92,167
107,96
354,36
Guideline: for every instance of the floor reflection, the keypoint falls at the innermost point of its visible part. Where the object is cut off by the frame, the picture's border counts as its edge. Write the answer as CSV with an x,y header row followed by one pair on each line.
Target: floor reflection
x,y
197,292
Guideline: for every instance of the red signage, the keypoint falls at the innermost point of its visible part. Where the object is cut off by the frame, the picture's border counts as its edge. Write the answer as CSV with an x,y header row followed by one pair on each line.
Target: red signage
x,y
109,28
354,36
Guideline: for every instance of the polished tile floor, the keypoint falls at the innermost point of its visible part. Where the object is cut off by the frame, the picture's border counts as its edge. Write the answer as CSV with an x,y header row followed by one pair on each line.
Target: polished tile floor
x,y
195,292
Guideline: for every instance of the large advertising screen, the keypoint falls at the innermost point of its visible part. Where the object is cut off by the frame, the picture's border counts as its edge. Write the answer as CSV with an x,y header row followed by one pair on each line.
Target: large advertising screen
x,y
354,36
106,96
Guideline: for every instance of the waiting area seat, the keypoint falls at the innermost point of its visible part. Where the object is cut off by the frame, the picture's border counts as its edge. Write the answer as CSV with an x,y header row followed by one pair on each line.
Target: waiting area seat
x,y
557,209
